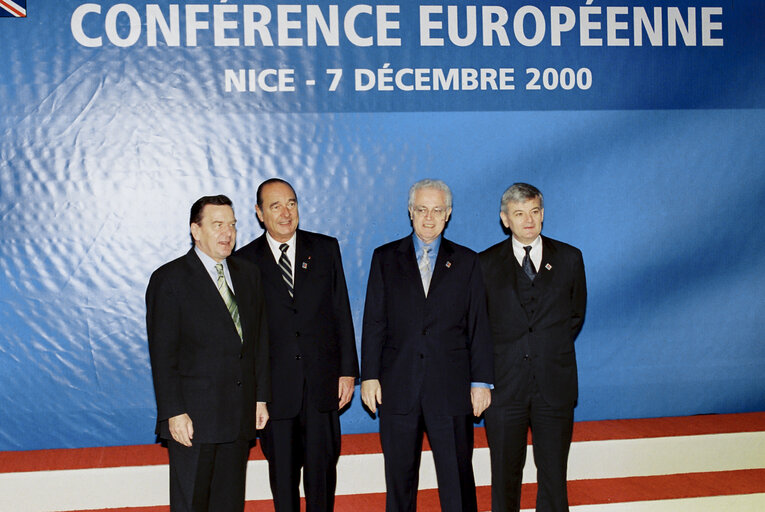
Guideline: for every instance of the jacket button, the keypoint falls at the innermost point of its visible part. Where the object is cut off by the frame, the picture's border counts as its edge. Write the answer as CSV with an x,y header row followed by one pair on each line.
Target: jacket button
x,y
531,329
239,383
526,357
297,334
297,357
424,332
422,356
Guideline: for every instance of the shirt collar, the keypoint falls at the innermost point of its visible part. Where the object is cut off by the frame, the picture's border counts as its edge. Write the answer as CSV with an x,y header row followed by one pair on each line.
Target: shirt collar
x,y
535,254
277,252
210,263
419,246
274,244
534,245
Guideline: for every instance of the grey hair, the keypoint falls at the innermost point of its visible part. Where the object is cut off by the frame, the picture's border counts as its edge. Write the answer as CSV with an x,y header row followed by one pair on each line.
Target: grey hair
x,y
434,184
520,193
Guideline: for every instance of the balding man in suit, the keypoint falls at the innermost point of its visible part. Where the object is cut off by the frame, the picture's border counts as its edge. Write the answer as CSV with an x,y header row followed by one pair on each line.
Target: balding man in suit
x,y
313,350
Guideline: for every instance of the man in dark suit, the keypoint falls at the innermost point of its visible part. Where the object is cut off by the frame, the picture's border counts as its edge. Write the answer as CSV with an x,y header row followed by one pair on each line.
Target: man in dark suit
x,y
426,353
208,342
536,295
313,350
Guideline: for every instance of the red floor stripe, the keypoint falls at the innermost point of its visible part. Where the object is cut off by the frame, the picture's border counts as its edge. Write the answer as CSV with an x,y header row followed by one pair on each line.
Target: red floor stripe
x,y
146,455
666,427
662,487
581,492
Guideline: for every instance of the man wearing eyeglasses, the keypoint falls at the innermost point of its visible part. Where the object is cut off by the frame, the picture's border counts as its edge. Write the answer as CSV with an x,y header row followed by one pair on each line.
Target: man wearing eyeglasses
x,y
426,356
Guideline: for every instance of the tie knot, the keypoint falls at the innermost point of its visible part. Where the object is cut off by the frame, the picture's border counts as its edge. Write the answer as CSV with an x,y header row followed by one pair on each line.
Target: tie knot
x,y
527,248
284,248
219,268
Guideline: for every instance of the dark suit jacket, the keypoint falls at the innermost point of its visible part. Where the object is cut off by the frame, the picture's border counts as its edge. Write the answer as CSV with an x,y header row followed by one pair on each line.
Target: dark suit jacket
x,y
547,335
312,338
430,348
199,364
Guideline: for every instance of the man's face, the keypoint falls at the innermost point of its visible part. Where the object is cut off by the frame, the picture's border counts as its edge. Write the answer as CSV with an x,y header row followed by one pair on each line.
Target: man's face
x,y
215,235
524,219
429,213
279,212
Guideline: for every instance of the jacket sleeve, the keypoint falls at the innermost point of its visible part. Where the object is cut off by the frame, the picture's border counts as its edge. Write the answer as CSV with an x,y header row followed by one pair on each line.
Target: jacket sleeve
x,y
343,321
375,322
479,331
578,296
164,334
262,360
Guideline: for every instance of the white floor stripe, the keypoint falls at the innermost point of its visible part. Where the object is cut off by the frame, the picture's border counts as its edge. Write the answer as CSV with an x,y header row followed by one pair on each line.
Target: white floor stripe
x,y
46,491
666,455
737,503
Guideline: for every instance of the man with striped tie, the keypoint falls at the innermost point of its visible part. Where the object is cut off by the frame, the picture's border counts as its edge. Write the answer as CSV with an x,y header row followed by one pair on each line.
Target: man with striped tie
x,y
208,342
313,350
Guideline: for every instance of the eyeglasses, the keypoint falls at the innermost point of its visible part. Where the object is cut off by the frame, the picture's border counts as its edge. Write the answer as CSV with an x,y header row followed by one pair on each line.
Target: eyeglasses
x,y
438,212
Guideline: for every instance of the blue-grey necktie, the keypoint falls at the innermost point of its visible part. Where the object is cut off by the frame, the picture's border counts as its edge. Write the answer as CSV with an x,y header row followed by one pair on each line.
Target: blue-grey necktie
x,y
425,273
528,265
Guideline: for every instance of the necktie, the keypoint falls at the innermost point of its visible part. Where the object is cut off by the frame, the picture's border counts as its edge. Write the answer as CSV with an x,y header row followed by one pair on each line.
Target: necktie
x,y
528,265
228,299
424,266
286,268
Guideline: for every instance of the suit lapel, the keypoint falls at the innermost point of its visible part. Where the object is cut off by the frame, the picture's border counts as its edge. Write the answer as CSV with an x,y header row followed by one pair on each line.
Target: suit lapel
x,y
546,270
409,270
269,270
443,264
242,294
204,288
508,277
303,250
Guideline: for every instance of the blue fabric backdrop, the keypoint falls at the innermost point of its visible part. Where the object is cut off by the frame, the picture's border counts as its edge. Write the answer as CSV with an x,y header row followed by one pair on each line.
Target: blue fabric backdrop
x,y
655,170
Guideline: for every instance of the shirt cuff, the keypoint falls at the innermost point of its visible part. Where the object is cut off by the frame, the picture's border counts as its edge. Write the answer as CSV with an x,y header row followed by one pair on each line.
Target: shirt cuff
x,y
481,385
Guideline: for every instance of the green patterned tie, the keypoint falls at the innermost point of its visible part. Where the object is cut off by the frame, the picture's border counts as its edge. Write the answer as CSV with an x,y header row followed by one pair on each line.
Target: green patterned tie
x,y
229,299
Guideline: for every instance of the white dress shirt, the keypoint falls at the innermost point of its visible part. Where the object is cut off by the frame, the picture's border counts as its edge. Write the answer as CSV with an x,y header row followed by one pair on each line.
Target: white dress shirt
x,y
210,263
274,245
535,254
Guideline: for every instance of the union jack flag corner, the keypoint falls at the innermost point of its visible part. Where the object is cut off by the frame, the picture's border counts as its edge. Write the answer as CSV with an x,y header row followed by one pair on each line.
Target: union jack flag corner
x,y
13,8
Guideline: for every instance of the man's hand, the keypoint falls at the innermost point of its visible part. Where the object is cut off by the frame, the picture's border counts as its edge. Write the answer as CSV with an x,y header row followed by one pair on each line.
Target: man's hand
x,y
480,398
261,415
181,429
345,390
371,394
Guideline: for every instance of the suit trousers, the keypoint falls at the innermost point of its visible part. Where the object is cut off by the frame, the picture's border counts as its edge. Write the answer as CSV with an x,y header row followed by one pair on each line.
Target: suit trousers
x,y
451,442
310,441
507,430
208,477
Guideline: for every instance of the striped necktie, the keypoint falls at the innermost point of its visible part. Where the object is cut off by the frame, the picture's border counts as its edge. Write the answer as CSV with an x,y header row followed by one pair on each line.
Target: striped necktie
x,y
229,299
286,268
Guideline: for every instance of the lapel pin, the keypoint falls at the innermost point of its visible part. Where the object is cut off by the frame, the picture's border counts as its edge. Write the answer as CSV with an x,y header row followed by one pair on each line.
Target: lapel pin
x,y
548,266
305,265
448,264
